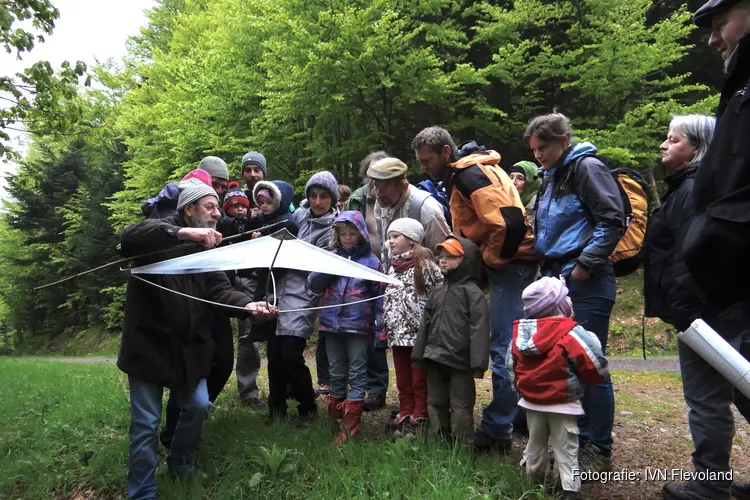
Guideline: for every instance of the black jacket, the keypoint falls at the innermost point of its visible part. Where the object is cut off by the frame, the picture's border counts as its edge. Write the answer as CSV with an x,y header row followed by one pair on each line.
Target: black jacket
x,y
668,289
717,247
166,338
455,329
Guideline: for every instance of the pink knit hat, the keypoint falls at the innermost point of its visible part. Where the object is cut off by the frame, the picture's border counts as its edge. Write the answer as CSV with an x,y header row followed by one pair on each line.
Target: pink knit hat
x,y
546,297
199,174
265,193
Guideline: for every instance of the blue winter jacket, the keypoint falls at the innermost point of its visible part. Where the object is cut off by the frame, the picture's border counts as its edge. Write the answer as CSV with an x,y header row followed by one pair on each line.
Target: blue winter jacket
x,y
365,318
580,216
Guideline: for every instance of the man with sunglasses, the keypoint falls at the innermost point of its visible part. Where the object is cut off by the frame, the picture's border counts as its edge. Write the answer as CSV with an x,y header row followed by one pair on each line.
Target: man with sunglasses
x,y
167,339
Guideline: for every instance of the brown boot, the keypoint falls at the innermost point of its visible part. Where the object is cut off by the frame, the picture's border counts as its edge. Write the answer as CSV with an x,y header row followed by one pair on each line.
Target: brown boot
x,y
352,415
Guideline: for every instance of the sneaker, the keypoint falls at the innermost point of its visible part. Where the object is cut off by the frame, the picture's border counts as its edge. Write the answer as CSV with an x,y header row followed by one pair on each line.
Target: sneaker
x,y
323,390
253,403
680,491
590,458
374,403
484,443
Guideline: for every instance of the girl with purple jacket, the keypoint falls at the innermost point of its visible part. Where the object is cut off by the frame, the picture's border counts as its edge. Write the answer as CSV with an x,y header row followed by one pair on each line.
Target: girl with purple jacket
x,y
349,329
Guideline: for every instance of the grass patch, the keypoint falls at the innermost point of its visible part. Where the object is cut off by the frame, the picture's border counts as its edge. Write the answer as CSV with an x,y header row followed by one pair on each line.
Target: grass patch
x,y
646,395
627,321
63,434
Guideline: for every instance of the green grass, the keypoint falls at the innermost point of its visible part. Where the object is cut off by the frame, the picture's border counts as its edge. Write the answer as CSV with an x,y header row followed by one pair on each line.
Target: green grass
x,y
63,434
627,321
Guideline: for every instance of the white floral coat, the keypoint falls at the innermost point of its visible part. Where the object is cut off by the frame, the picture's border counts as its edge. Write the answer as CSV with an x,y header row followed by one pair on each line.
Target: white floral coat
x,y
403,309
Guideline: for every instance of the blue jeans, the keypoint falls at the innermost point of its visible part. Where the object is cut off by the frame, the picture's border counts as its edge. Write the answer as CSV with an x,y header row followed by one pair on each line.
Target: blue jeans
x,y
347,363
145,417
593,300
506,306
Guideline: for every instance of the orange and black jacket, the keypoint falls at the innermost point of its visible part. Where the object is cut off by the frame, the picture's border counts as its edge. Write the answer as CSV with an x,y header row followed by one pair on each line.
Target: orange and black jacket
x,y
487,209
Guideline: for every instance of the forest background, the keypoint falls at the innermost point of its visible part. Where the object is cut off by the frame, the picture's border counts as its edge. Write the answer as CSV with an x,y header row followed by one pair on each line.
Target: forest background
x,y
314,85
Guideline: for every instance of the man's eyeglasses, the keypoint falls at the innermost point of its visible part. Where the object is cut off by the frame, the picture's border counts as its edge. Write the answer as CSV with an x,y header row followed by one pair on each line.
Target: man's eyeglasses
x,y
209,207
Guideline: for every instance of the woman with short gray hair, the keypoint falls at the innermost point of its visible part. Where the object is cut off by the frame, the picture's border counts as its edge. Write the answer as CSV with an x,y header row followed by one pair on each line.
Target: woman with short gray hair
x,y
687,140
668,289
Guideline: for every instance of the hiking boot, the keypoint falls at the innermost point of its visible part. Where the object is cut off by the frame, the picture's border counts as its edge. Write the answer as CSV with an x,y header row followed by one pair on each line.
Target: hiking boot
x,y
253,403
397,421
399,426
352,417
323,390
406,429
484,443
374,403
681,491
591,459
417,427
741,491
306,420
276,414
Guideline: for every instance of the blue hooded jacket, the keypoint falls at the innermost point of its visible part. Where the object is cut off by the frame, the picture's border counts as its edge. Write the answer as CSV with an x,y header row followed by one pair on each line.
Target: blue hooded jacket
x,y
365,318
164,204
580,218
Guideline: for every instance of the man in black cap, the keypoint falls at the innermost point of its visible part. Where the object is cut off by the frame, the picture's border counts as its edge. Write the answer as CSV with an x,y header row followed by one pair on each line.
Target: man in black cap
x,y
716,253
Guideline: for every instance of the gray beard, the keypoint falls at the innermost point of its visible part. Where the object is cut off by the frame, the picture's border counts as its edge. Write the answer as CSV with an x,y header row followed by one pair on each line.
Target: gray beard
x,y
202,222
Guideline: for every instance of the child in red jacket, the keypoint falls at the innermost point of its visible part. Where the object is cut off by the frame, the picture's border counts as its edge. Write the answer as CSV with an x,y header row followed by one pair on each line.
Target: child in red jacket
x,y
550,359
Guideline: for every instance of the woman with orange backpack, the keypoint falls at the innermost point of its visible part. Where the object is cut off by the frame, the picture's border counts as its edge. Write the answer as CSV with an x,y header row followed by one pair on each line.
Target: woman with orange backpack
x,y
579,222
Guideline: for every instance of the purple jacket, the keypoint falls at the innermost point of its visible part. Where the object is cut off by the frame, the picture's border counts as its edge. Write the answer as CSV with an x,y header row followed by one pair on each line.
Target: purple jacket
x,y
164,204
365,318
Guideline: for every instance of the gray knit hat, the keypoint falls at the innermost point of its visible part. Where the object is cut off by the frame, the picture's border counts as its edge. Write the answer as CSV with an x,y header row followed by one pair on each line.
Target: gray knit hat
x,y
255,158
411,228
193,190
324,180
215,166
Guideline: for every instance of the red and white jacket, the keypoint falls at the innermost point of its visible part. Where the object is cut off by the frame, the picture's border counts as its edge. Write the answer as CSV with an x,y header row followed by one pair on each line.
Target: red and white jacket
x,y
551,358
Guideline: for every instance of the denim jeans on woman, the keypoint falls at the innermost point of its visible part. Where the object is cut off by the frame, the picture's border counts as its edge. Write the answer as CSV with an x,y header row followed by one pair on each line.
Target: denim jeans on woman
x,y
347,364
145,417
506,306
593,300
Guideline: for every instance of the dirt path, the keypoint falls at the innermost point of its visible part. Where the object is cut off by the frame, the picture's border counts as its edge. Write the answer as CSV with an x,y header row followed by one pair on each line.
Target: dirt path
x,y
659,364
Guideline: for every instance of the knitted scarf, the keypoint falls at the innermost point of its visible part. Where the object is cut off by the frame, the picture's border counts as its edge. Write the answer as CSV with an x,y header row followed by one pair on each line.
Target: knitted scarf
x,y
403,262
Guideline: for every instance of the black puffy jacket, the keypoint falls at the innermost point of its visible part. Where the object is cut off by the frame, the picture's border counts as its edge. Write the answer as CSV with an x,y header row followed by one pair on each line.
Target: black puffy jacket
x,y
668,289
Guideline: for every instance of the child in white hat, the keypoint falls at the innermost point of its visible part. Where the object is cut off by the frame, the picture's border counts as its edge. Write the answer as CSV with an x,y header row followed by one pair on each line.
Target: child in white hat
x,y
403,308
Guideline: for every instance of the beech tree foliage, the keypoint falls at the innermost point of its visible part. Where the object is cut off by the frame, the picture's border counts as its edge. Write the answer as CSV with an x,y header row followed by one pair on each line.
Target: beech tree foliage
x,y
316,85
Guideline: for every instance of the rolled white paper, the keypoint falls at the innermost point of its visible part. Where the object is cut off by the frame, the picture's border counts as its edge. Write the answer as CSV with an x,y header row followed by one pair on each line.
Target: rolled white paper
x,y
718,353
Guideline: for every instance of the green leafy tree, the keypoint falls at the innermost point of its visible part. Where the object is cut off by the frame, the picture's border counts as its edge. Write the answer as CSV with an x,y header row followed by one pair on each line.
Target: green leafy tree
x,y
33,99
